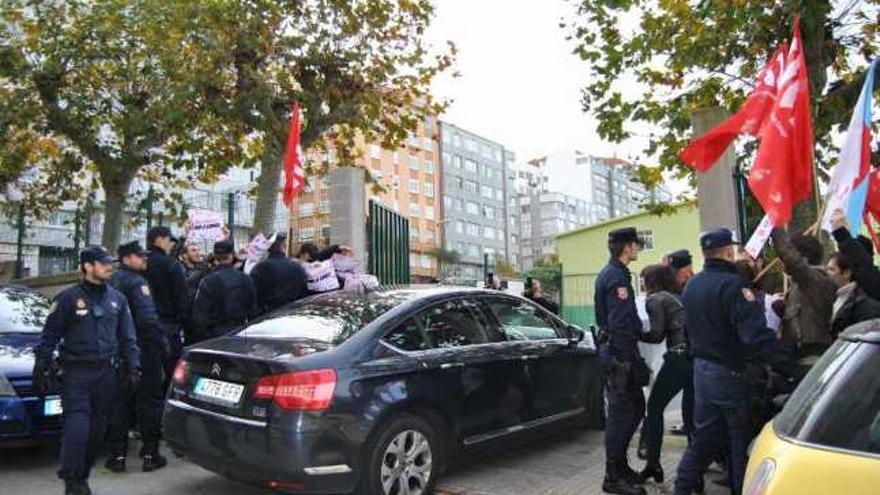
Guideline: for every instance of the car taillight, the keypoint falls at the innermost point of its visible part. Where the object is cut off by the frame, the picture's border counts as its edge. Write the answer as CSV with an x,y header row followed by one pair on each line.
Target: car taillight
x,y
180,372
759,482
298,391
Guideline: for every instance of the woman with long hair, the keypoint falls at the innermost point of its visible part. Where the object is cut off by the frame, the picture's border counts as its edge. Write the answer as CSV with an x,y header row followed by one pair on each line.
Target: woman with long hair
x,y
666,314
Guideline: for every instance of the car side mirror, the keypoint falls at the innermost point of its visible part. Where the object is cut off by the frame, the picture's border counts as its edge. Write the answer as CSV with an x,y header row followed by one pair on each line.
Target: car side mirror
x,y
575,336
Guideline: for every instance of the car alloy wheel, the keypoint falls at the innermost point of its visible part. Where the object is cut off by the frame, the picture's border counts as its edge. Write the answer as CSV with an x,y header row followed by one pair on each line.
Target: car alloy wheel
x,y
407,464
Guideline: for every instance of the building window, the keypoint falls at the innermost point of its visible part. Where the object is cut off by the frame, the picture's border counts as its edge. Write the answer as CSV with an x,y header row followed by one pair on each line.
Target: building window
x,y
415,210
428,143
486,191
457,162
448,202
459,182
307,234
429,190
414,186
426,261
647,236
459,227
473,229
429,212
499,194
413,162
470,144
457,140
432,237
446,136
395,183
325,207
414,234
473,208
306,209
447,159
470,166
413,259
470,186
489,233
429,168
375,151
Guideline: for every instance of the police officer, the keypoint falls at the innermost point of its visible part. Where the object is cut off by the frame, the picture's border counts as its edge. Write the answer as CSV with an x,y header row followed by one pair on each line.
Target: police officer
x,y
93,325
277,279
167,280
683,263
226,298
148,398
723,316
621,326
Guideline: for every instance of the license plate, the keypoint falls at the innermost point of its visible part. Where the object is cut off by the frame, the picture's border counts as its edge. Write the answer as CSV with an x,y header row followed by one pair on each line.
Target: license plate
x,y
228,393
52,407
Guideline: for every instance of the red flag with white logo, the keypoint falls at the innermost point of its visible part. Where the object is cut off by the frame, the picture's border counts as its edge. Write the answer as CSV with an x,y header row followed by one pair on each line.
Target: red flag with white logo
x,y
294,175
704,151
782,175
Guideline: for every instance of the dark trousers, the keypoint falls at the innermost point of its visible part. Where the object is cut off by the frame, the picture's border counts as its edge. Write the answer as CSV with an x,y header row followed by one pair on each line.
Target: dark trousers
x,y
174,334
626,408
86,399
147,402
676,375
720,413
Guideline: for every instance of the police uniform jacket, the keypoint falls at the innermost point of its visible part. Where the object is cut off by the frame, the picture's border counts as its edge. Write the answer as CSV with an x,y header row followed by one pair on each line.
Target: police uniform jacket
x,y
616,312
89,323
143,310
167,279
724,317
225,300
278,280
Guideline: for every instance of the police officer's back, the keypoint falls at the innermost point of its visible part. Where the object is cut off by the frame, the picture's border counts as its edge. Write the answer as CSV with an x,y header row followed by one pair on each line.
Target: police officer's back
x,y
621,326
225,299
723,316
167,277
148,399
277,279
92,323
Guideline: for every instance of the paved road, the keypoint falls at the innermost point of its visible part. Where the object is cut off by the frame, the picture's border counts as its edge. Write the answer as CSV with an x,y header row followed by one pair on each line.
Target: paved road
x,y
571,463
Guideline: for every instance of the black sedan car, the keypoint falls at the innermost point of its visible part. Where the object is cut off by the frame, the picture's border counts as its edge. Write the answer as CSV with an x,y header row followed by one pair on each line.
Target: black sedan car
x,y
375,392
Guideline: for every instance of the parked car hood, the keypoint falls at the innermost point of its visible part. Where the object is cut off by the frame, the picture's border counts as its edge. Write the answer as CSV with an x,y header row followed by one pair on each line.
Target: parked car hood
x,y
17,353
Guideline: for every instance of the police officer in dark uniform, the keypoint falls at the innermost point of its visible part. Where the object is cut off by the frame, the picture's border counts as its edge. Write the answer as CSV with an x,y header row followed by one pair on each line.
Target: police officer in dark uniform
x,y
148,398
226,298
277,279
723,317
620,326
167,279
683,263
92,323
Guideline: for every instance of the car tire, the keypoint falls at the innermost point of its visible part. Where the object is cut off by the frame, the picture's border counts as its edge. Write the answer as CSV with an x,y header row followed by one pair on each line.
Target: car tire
x,y
407,448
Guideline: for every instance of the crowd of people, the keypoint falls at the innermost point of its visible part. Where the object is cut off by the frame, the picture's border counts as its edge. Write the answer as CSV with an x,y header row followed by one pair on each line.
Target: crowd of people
x,y
119,333
734,343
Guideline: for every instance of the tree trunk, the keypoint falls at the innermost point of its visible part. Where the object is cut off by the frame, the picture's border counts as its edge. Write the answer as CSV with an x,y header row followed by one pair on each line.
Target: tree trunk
x,y
267,188
116,185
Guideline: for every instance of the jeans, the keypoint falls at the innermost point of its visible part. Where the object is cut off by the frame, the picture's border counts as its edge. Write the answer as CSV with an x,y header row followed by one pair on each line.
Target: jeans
x,y
675,375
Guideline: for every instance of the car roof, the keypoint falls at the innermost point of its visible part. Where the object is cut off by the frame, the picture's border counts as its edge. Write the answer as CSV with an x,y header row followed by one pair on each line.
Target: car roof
x,y
866,331
398,295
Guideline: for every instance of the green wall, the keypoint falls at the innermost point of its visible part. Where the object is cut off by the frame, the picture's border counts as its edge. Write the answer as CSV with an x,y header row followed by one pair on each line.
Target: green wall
x,y
584,252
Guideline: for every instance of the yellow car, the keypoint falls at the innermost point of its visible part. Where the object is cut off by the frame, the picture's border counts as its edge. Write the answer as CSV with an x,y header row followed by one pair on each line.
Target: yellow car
x,y
826,440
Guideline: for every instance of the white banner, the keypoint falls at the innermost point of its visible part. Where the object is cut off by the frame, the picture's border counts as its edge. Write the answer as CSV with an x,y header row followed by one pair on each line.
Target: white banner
x,y
205,225
759,238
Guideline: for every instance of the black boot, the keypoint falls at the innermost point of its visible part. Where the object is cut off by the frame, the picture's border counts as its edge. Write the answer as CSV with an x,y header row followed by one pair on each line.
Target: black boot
x,y
153,460
652,470
616,482
630,475
700,487
76,487
116,463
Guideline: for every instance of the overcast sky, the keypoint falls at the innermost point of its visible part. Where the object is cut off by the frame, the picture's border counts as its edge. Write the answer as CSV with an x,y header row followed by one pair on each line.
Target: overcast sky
x,y
519,85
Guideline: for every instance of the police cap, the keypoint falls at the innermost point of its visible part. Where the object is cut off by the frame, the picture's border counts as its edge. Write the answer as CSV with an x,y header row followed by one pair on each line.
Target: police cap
x,y
625,235
222,248
157,232
717,238
680,259
130,248
95,254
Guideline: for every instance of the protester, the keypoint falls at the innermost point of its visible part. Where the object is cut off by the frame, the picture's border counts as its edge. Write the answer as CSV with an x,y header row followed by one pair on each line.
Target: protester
x,y
859,252
666,315
192,258
89,364
852,304
536,295
683,263
806,323
277,279
147,400
722,317
626,371
309,252
226,298
167,279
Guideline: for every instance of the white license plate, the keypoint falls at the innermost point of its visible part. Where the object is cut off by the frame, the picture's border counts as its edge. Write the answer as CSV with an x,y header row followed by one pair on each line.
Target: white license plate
x,y
52,407
225,392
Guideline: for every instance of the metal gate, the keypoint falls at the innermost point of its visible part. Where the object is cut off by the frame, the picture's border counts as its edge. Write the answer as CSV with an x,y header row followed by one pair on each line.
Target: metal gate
x,y
388,239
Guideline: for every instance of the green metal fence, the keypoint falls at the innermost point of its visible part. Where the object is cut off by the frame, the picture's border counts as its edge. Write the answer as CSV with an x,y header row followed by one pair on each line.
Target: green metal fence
x,y
388,238
577,298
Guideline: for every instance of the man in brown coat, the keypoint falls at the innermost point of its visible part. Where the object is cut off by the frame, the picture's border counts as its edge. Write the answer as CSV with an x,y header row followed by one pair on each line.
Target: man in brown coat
x,y
806,322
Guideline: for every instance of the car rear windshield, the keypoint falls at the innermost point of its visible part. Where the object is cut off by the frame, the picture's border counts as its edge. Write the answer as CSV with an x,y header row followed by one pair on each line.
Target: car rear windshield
x,y
330,319
22,311
838,403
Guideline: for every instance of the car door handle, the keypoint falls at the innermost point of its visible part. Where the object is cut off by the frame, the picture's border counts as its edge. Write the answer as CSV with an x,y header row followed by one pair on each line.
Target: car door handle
x,y
449,366
528,357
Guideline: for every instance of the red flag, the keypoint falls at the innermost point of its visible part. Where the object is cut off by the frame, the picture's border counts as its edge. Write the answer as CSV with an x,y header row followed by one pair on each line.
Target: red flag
x,y
705,150
872,205
294,175
782,175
